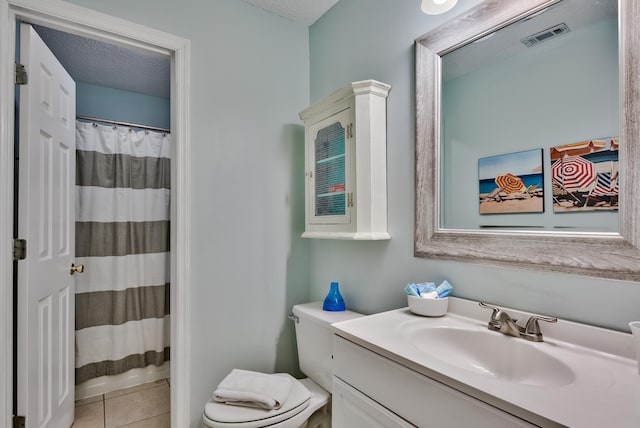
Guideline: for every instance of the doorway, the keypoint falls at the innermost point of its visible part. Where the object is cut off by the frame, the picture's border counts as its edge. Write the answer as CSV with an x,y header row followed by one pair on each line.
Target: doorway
x,y
122,194
98,26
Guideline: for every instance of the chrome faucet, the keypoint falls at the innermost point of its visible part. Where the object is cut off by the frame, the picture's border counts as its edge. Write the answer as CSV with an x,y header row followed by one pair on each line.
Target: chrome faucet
x,y
501,321
507,325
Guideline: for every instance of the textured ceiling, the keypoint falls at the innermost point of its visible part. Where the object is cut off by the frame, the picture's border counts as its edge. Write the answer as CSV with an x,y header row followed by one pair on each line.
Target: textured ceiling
x,y
98,63
302,11
104,64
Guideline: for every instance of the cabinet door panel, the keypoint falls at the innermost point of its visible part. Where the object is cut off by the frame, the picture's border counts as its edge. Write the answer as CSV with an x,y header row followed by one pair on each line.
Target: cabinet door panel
x,y
328,172
351,409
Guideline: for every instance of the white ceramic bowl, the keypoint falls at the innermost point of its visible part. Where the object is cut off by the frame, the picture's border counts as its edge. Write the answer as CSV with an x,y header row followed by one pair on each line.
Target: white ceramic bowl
x,y
428,307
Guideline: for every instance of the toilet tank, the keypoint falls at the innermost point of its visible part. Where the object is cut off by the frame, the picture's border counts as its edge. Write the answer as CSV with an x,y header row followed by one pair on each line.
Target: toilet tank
x,y
315,340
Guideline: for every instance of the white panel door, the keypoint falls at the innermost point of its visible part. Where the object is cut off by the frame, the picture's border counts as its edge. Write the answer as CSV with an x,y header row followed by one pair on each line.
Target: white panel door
x,y
46,220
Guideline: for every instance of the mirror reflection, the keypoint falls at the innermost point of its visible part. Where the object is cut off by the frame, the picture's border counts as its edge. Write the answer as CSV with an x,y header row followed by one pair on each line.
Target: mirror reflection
x,y
530,123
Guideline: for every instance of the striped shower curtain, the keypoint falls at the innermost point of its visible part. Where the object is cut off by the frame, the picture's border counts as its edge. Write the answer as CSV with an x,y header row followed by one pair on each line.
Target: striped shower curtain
x,y
122,238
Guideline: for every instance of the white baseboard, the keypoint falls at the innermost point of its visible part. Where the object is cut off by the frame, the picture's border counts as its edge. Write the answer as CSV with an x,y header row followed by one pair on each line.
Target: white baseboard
x,y
133,377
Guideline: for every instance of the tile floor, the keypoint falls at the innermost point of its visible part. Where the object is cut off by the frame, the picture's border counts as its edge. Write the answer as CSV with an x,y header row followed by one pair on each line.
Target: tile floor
x,y
142,406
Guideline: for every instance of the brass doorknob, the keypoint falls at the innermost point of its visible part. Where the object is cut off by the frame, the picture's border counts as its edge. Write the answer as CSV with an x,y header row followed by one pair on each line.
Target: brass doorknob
x,y
74,269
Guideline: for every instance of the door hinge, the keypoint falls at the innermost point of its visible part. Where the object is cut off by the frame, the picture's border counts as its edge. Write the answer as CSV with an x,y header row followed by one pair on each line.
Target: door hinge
x,y
350,200
19,249
19,421
21,75
350,130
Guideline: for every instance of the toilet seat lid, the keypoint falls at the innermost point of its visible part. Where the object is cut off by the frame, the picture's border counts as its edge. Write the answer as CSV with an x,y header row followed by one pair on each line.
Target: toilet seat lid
x,y
221,413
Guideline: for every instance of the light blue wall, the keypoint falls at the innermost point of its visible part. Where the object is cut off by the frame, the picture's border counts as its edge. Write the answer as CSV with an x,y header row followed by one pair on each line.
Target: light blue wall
x,y
125,106
363,39
249,80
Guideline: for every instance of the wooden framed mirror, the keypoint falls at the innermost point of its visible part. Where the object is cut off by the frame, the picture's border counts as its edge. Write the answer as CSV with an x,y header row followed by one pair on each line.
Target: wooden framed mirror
x,y
611,254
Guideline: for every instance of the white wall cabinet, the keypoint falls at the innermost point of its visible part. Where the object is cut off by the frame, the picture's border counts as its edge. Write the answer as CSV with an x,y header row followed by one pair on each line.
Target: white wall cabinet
x,y
376,385
346,163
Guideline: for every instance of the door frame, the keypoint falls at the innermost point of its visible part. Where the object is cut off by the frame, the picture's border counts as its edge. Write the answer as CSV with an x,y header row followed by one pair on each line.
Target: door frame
x,y
89,23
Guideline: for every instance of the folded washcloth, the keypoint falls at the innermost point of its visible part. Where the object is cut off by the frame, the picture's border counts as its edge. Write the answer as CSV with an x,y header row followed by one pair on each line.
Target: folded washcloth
x,y
444,289
420,290
253,389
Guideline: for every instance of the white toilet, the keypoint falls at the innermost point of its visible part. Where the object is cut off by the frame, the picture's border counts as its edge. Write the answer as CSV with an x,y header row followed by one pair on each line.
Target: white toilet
x,y
306,406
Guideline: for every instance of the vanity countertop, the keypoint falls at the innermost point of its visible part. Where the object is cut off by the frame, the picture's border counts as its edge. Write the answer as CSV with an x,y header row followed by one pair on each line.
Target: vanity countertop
x,y
597,385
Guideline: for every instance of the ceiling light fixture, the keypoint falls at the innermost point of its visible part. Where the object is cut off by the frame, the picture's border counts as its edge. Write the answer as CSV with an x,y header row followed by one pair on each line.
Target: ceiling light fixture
x,y
436,7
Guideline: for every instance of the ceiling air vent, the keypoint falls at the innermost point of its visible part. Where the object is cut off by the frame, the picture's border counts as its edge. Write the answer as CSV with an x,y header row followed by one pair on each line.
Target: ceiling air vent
x,y
545,35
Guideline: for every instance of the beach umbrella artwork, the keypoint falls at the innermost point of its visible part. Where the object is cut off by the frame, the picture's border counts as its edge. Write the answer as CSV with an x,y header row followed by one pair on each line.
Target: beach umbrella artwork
x,y
573,173
578,149
510,183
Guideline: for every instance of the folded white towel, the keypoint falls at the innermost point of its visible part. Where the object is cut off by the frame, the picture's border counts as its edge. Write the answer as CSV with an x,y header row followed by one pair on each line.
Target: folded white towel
x,y
253,389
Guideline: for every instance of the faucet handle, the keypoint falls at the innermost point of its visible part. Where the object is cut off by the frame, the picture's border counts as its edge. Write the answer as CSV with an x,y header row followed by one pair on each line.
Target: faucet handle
x,y
532,326
494,314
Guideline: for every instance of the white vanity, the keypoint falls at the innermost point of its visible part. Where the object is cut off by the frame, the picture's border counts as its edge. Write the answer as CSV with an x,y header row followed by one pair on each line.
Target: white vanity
x,y
397,369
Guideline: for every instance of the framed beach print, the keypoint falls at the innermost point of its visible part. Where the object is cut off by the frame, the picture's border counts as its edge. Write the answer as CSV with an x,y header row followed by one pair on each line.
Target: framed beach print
x,y
511,183
584,175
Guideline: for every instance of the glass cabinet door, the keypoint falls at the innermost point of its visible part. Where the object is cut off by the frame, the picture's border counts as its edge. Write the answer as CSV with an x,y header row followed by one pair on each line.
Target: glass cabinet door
x,y
330,187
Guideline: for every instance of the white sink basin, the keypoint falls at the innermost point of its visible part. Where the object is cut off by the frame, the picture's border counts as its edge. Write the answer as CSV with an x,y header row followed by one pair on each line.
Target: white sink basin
x,y
580,376
493,354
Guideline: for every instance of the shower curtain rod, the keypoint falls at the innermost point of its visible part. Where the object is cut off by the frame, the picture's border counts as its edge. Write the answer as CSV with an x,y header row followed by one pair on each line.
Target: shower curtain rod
x,y
116,122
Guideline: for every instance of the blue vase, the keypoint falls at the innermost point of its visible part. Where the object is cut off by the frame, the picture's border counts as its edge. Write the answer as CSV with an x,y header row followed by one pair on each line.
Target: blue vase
x,y
334,301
